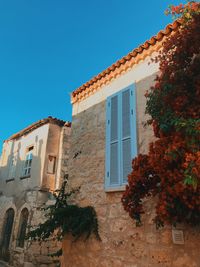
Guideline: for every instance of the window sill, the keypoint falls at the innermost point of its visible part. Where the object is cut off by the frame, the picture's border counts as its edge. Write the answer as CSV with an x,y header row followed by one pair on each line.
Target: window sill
x,y
25,177
115,189
10,180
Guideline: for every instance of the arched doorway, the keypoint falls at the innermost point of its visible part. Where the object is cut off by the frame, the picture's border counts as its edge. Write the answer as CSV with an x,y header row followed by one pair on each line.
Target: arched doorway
x,y
22,227
6,234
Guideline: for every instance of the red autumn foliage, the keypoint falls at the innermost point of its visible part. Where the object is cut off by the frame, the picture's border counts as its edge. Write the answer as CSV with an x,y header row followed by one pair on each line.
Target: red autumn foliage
x,y
171,169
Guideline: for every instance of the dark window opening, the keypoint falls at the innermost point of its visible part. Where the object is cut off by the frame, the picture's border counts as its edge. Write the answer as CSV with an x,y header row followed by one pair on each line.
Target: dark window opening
x,y
6,234
22,228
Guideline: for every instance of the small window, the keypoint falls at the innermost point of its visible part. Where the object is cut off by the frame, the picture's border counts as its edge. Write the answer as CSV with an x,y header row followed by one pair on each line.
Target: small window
x,y
22,228
51,164
28,162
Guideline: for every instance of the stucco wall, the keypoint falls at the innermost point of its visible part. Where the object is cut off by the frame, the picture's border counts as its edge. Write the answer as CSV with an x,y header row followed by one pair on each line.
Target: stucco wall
x,y
36,138
52,149
123,244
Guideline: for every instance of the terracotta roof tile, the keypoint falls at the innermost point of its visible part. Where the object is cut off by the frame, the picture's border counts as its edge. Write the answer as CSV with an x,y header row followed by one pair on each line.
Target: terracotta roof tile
x,y
38,124
115,69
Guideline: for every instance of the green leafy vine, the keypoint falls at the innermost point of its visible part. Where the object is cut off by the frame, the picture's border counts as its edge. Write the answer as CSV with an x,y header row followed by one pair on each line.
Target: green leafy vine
x,y
64,218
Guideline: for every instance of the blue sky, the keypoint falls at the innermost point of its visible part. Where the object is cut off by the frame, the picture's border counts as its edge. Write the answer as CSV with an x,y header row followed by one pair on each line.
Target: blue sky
x,y
48,48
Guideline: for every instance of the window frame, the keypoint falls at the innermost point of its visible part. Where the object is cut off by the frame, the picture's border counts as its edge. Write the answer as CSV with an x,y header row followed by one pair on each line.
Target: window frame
x,y
28,162
120,186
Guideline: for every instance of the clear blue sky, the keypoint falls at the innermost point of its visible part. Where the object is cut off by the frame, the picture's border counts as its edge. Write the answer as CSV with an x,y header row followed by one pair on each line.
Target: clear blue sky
x,y
48,48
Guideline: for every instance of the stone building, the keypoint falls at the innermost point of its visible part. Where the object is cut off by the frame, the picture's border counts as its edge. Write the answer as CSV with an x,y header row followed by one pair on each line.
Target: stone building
x,y
107,132
33,164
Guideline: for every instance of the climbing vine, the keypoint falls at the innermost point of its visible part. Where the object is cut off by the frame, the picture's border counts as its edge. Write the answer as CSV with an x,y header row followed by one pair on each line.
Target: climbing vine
x,y
64,218
170,171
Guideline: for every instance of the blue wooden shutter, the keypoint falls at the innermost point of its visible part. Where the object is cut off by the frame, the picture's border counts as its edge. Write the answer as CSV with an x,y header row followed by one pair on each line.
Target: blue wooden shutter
x,y
112,142
121,137
133,105
128,131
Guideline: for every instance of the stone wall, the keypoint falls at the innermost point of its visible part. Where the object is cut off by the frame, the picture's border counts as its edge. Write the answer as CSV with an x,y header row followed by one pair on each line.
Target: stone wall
x,y
123,244
34,254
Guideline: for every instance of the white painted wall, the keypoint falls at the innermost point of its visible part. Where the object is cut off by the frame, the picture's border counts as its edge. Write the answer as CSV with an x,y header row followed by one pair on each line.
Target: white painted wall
x,y
36,138
137,73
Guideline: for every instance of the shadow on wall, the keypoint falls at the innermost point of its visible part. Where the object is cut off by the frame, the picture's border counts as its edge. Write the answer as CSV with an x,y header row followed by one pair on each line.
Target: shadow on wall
x,y
18,174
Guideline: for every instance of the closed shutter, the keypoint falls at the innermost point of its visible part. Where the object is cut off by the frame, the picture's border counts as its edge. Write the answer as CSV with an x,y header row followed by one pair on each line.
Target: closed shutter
x,y
128,132
121,142
133,112
112,136
126,135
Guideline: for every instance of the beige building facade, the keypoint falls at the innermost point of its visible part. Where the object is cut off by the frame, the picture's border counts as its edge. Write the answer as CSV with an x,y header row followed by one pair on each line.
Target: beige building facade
x,y
33,164
107,132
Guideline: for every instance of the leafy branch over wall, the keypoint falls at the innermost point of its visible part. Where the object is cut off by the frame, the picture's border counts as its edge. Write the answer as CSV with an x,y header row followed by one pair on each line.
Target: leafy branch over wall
x,y
64,218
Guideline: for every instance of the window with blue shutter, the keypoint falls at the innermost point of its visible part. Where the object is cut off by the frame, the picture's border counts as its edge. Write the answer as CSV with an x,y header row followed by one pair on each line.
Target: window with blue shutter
x,y
121,139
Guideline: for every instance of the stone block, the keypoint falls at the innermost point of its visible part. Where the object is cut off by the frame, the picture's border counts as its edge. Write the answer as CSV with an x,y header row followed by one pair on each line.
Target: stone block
x,y
160,256
185,260
138,250
151,238
43,259
29,264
